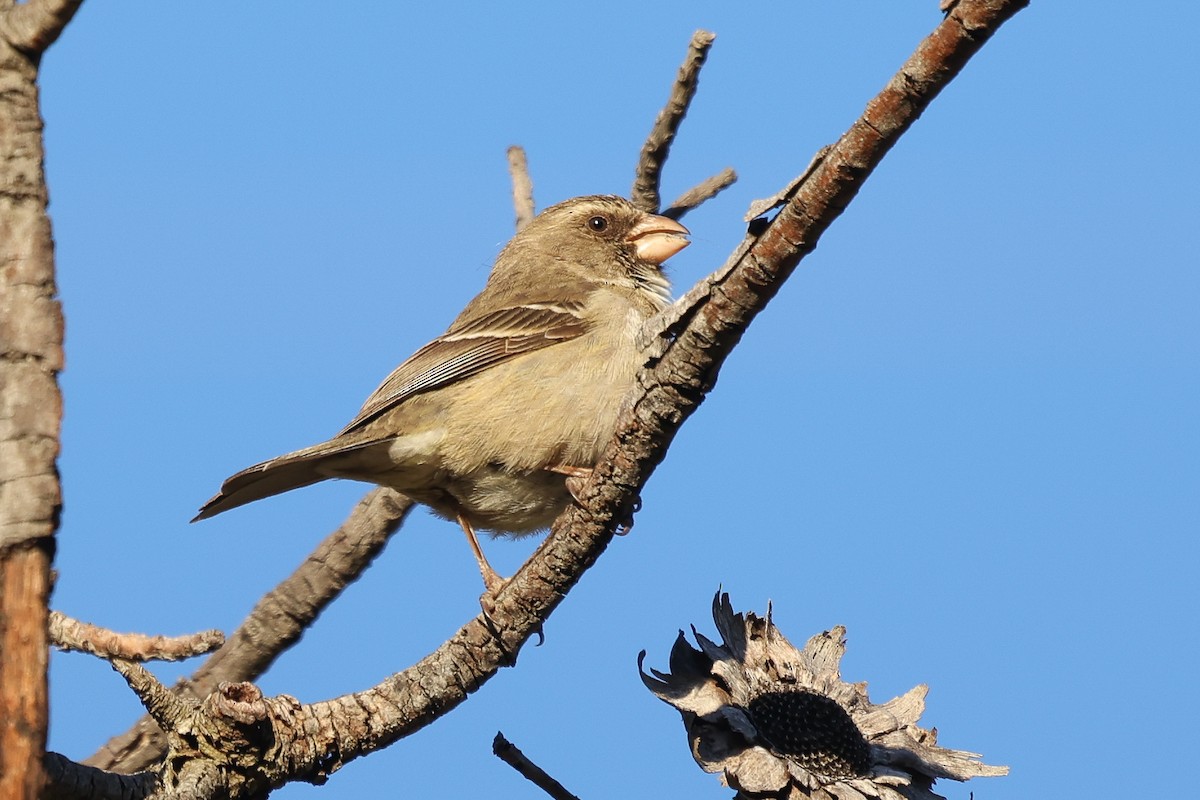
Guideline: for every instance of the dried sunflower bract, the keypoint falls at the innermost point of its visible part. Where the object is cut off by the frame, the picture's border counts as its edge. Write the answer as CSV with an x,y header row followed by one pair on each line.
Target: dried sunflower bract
x,y
777,722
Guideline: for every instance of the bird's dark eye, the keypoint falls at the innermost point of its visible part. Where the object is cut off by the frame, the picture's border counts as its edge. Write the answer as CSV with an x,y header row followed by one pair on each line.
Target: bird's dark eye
x,y
598,223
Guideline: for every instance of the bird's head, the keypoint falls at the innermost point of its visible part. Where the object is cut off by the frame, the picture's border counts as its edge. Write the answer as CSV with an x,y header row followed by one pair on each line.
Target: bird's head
x,y
602,238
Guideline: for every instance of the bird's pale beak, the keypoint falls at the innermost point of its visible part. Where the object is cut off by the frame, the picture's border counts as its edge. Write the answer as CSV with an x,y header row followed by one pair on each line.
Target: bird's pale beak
x,y
657,238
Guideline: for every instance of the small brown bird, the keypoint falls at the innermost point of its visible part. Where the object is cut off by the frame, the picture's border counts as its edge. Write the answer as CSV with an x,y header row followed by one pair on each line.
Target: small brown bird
x,y
496,421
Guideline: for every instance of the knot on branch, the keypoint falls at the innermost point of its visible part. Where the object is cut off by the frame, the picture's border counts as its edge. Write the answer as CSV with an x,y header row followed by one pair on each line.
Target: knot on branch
x,y
226,743
239,705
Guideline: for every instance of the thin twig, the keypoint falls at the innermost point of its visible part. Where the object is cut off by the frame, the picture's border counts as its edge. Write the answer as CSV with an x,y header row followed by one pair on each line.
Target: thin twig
x,y
645,192
34,25
701,192
167,709
522,185
70,634
767,204
508,752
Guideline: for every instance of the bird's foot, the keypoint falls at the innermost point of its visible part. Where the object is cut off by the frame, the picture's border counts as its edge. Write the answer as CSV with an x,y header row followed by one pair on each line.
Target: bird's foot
x,y
492,584
576,478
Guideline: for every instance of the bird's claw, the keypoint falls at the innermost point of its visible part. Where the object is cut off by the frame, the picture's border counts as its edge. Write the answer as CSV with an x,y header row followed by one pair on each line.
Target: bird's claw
x,y
626,525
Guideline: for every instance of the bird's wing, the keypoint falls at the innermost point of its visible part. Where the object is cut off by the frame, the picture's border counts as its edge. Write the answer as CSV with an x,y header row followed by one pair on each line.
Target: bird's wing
x,y
473,345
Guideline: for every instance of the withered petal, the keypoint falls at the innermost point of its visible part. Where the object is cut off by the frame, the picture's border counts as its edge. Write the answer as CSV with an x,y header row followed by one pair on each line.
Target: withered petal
x,y
757,770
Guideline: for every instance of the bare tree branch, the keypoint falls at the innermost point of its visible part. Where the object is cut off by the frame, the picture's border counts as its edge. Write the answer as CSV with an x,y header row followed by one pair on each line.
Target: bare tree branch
x,y
522,185
510,754
239,744
700,193
166,709
308,742
66,780
277,621
714,318
645,191
71,634
34,25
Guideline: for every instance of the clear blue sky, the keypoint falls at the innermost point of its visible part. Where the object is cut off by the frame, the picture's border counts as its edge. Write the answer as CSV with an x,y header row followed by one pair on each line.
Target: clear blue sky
x,y
967,428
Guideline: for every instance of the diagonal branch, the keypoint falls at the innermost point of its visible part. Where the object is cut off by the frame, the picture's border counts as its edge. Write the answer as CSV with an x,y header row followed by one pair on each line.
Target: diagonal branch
x,y
310,741
645,191
717,313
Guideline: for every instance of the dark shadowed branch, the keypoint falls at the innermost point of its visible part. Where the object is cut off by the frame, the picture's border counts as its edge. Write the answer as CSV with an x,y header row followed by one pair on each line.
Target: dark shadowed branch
x,y
510,754
70,781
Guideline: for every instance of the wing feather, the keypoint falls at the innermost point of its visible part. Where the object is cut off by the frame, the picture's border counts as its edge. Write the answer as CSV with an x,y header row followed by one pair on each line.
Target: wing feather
x,y
471,346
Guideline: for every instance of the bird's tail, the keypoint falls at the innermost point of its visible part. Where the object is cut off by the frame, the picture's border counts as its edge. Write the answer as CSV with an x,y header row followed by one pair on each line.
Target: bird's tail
x,y
279,475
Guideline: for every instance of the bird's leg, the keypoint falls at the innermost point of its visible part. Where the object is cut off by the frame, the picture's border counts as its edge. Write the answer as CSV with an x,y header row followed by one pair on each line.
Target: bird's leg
x,y
576,477
491,579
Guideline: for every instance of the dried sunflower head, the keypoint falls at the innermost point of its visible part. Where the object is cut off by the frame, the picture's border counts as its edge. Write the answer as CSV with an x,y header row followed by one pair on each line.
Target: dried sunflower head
x,y
778,722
